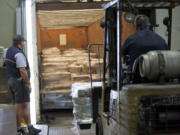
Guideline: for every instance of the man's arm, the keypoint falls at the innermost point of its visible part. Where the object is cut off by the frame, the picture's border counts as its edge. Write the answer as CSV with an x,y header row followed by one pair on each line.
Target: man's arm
x,y
126,45
24,75
21,64
125,49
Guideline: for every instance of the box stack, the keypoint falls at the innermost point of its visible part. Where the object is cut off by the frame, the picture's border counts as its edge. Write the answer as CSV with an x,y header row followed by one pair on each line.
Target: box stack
x,y
82,104
61,68
81,94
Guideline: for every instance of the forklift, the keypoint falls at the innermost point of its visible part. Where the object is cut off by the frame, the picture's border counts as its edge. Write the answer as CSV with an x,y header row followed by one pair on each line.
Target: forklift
x,y
124,106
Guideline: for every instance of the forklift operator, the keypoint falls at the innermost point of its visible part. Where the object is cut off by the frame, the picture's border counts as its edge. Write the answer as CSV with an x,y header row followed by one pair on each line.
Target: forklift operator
x,y
143,41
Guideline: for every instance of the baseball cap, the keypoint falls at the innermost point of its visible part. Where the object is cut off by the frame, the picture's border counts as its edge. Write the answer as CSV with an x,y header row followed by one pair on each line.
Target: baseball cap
x,y
142,20
18,38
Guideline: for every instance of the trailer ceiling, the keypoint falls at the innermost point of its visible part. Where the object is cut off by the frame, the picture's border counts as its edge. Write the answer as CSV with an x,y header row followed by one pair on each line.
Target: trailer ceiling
x,y
45,1
51,6
69,18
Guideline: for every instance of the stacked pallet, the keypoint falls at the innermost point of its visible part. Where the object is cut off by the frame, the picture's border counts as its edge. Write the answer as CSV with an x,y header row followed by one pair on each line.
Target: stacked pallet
x,y
61,68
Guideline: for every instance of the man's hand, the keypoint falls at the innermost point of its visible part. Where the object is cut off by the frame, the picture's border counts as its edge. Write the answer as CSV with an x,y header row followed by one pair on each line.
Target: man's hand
x,y
24,75
25,78
28,87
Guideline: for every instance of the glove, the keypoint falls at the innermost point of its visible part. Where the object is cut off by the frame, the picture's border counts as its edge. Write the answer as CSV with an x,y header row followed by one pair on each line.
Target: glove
x,y
28,87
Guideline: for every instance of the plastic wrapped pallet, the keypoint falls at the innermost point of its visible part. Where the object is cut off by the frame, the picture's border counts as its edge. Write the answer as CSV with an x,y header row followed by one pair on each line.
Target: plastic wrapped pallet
x,y
82,111
81,97
57,100
79,88
82,104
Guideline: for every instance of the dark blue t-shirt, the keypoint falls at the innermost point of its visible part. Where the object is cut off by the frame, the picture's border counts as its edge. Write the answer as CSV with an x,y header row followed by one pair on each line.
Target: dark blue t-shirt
x,y
141,43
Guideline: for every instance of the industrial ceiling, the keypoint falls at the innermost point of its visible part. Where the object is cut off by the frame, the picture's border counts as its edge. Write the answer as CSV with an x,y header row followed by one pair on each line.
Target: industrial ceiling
x,y
69,18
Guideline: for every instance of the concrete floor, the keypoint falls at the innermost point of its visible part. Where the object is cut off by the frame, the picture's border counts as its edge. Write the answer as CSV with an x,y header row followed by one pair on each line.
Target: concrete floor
x,y
62,124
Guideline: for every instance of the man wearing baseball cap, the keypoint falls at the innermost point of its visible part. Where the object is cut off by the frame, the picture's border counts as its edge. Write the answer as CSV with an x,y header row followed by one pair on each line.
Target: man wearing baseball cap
x,y
143,41
18,72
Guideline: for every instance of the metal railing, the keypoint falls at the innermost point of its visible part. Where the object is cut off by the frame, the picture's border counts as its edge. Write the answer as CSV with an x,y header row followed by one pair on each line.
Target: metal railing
x,y
99,56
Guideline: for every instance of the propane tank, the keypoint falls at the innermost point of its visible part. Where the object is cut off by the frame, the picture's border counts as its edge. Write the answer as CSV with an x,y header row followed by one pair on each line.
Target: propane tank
x,y
156,64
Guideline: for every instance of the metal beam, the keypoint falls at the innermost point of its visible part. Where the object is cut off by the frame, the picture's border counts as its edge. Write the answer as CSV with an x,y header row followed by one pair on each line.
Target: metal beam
x,y
119,45
69,6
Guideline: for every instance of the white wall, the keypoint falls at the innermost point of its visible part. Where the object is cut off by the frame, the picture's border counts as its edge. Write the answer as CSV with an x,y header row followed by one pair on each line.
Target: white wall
x,y
33,59
161,30
176,29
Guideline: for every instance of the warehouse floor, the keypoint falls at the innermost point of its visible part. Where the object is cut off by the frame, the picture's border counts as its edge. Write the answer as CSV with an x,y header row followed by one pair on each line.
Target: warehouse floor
x,y
62,125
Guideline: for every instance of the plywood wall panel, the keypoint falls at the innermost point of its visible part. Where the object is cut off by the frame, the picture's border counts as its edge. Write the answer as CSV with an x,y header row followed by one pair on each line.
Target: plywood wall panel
x,y
127,29
80,37
76,38
95,33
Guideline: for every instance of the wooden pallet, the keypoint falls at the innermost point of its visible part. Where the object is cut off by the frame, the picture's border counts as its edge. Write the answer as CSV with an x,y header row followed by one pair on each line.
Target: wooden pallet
x,y
55,91
3,93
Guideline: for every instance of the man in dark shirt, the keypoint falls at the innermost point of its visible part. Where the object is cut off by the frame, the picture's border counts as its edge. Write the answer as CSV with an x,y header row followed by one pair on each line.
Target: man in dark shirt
x,y
143,41
18,72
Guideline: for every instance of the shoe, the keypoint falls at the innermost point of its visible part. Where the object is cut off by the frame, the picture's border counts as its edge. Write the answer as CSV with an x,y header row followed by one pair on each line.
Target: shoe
x,y
23,131
19,133
33,130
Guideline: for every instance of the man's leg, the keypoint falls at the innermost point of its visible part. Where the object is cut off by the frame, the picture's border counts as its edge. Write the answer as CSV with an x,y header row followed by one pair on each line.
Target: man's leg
x,y
26,114
19,114
21,129
19,102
